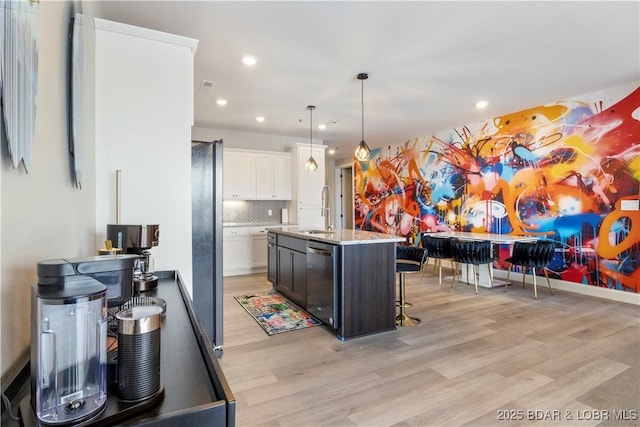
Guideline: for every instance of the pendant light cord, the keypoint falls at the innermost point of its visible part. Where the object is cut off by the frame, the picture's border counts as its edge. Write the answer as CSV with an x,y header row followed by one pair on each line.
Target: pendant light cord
x,y
362,104
311,131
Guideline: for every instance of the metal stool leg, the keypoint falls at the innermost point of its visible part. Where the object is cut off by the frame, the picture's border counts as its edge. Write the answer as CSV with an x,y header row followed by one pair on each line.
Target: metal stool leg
x,y
455,273
405,304
547,276
506,283
490,275
403,319
424,267
475,277
535,291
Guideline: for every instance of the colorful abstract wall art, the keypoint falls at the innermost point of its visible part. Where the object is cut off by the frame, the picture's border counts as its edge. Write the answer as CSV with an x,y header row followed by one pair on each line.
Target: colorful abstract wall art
x,y
568,171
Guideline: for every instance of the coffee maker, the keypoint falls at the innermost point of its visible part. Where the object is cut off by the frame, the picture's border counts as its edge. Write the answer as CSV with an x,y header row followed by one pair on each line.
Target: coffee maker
x,y
69,335
137,239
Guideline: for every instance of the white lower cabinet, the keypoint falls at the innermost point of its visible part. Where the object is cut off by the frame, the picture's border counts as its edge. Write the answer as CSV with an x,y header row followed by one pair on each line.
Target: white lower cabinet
x,y
244,250
259,254
236,247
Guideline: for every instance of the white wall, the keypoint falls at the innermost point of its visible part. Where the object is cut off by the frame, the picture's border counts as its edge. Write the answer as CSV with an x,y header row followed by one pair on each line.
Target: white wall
x,y
43,215
248,140
144,113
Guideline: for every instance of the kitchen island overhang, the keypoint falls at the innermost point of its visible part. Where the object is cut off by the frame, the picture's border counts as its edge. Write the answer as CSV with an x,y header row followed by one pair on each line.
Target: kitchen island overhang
x,y
363,292
338,236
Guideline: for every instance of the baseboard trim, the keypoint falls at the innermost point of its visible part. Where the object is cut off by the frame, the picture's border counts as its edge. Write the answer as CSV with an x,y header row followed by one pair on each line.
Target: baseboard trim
x,y
242,271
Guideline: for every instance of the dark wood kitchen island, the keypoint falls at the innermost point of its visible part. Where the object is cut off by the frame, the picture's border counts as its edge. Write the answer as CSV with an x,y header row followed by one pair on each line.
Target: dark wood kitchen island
x,y
363,282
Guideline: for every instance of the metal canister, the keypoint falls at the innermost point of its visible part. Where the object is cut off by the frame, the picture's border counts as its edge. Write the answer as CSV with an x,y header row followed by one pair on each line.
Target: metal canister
x,y
139,353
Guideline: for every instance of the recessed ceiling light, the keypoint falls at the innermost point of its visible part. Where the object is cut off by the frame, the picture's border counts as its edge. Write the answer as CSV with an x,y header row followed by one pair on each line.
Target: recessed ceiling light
x,y
482,104
249,60
332,151
322,126
221,101
260,119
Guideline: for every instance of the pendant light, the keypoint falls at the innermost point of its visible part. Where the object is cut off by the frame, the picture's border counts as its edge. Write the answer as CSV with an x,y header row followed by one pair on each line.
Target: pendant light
x,y
363,151
311,165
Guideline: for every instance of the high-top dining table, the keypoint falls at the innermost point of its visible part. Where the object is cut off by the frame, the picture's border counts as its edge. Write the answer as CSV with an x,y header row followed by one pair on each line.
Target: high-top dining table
x,y
501,239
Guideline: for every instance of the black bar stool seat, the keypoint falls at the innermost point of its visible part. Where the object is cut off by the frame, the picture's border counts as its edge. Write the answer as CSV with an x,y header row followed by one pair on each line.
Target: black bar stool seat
x,y
438,248
409,259
532,255
473,252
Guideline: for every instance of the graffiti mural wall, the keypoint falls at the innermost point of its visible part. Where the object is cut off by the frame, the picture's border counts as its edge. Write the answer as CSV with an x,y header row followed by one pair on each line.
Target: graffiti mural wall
x,y
568,171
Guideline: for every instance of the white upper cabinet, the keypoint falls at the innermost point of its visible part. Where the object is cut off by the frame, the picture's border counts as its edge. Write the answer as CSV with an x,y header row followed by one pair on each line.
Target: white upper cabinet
x,y
282,183
238,175
273,172
256,175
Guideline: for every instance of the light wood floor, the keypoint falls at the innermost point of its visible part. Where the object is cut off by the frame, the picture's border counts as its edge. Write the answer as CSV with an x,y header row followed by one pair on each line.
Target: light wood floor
x,y
491,359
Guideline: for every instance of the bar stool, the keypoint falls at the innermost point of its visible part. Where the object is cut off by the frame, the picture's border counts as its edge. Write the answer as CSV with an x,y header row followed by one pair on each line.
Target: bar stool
x,y
531,255
474,252
409,259
438,248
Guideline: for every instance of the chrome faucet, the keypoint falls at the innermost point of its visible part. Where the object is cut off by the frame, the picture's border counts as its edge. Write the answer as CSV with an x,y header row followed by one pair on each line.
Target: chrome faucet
x,y
326,210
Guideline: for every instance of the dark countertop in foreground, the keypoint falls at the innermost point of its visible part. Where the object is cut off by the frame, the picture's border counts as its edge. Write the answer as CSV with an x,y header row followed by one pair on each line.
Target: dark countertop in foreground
x,y
337,236
195,390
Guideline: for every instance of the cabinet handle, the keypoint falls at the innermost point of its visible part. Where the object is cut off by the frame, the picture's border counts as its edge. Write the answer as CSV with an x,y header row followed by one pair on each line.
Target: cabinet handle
x,y
319,251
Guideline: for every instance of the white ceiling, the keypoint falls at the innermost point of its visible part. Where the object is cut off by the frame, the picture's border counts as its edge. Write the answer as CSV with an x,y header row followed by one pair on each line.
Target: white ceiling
x,y
428,62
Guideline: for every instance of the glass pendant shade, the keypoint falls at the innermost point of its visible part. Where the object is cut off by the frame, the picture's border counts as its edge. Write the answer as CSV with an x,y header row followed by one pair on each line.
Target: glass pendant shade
x,y
362,151
311,165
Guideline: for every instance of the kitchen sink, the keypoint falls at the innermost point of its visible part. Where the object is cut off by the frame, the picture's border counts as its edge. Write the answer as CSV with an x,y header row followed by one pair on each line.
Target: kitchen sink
x,y
316,231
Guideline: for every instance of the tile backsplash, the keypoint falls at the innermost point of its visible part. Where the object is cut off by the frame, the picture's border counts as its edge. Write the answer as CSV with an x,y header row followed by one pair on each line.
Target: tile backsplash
x,y
252,211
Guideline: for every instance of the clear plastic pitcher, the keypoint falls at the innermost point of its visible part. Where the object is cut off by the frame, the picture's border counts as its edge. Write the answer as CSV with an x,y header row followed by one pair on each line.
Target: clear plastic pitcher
x,y
69,354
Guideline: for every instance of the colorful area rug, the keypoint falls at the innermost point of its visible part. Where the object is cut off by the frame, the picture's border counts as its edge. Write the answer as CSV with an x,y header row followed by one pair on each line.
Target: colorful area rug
x,y
275,314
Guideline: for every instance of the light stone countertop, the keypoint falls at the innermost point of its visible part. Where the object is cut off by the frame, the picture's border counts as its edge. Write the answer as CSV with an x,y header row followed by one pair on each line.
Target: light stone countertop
x,y
337,236
257,224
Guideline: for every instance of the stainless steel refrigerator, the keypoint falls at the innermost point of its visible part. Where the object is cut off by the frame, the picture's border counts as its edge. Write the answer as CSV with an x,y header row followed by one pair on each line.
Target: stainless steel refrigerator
x,y
206,219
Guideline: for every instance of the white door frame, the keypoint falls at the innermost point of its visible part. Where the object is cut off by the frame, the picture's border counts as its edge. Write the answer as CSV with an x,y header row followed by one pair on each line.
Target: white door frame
x,y
337,191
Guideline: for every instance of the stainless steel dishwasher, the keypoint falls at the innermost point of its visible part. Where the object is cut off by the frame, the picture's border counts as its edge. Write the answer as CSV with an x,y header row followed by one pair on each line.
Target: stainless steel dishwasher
x,y
322,282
